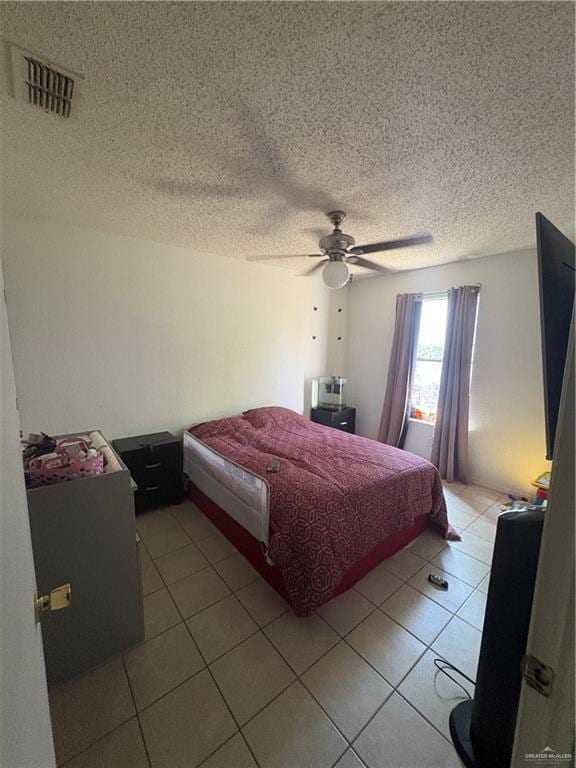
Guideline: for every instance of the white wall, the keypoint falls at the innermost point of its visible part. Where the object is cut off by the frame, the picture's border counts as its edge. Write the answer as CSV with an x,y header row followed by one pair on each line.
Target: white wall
x,y
507,437
419,437
336,333
132,336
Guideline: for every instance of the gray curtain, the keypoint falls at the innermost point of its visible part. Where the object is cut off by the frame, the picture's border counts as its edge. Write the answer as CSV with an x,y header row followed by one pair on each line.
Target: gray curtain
x,y
395,411
450,444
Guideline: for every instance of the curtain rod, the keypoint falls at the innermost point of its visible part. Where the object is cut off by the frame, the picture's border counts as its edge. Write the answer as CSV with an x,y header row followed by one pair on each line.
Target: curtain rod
x,y
433,294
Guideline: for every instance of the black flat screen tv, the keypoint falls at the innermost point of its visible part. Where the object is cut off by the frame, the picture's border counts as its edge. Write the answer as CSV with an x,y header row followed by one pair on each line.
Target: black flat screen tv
x,y
556,277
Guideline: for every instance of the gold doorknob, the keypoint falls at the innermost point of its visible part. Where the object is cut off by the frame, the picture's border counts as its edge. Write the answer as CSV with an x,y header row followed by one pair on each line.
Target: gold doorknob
x,y
54,601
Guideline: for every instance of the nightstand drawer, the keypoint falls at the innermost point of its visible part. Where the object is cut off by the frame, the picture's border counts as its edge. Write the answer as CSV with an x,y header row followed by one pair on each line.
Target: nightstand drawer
x,y
150,496
344,419
152,474
155,463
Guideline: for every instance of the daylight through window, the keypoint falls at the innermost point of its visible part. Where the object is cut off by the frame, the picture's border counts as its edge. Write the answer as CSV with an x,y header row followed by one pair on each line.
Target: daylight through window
x,y
429,355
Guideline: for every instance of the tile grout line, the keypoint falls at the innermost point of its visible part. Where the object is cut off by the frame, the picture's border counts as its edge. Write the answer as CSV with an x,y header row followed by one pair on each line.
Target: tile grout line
x,y
454,576
297,678
215,682
199,765
324,710
396,687
344,639
205,668
206,665
205,568
176,549
119,725
200,570
420,658
170,551
260,627
184,621
297,675
136,710
236,733
98,740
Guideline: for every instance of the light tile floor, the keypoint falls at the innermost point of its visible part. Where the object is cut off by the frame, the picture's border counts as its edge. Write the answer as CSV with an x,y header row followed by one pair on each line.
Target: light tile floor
x,y
228,677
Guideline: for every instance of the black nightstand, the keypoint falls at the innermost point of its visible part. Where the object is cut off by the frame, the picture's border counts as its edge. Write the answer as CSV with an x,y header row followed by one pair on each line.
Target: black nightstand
x,y
155,463
344,419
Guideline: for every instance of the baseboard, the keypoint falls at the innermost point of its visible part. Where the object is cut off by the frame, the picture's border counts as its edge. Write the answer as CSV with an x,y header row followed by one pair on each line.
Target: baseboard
x,y
528,492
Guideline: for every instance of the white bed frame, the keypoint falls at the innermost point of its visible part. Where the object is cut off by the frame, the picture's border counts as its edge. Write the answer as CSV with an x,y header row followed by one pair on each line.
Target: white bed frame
x,y
240,493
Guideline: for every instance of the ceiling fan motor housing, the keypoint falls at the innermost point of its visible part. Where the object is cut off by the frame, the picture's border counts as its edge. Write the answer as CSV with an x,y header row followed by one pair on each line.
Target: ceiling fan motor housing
x,y
337,242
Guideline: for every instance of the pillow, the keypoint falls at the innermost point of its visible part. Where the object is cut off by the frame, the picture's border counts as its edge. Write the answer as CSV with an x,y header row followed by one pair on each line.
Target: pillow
x,y
272,416
218,427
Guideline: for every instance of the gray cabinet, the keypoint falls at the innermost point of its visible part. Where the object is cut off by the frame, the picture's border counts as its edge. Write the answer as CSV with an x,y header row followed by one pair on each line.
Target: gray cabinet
x,y
83,532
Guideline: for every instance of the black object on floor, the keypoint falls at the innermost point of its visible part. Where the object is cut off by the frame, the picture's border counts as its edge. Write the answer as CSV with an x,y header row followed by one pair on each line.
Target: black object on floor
x,y
155,463
483,729
460,732
437,581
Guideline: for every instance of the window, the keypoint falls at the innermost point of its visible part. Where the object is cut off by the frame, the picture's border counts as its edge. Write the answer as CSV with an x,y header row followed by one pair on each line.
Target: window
x,y
425,384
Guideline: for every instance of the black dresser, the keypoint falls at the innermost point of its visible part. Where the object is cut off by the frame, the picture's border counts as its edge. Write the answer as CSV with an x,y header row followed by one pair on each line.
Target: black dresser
x,y
344,419
155,463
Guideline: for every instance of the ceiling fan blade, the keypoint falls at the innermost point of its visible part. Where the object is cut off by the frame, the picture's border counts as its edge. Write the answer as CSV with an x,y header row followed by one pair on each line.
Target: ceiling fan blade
x,y
286,256
358,261
314,268
388,245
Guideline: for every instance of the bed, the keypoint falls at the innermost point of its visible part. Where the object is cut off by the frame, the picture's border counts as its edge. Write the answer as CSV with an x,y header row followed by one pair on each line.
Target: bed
x,y
312,508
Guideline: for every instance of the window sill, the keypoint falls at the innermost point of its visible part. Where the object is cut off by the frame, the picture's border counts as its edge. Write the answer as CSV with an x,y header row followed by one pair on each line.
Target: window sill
x,y
421,421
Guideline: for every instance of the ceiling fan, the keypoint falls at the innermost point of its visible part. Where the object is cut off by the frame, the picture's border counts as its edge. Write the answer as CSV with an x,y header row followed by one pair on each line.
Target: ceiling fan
x,y
340,250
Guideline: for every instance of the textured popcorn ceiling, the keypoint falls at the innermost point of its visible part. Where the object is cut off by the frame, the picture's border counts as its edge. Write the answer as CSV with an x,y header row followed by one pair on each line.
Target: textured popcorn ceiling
x,y
233,127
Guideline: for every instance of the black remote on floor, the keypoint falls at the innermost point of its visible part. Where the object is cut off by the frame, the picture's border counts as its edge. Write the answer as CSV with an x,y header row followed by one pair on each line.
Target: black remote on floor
x,y
438,581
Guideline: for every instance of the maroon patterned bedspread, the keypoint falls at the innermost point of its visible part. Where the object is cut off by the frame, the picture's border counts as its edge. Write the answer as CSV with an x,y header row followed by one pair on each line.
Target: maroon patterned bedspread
x,y
334,499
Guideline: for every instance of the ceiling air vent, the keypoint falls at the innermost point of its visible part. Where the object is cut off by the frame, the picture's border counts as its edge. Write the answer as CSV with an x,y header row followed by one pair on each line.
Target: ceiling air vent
x,y
43,84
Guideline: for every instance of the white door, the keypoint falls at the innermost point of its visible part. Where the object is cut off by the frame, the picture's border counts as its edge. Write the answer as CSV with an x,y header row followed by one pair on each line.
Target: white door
x,y
545,725
25,729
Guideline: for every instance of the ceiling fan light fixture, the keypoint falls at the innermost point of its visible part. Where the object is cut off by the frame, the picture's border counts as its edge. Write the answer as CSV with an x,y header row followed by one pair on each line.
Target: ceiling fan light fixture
x,y
339,249
335,274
